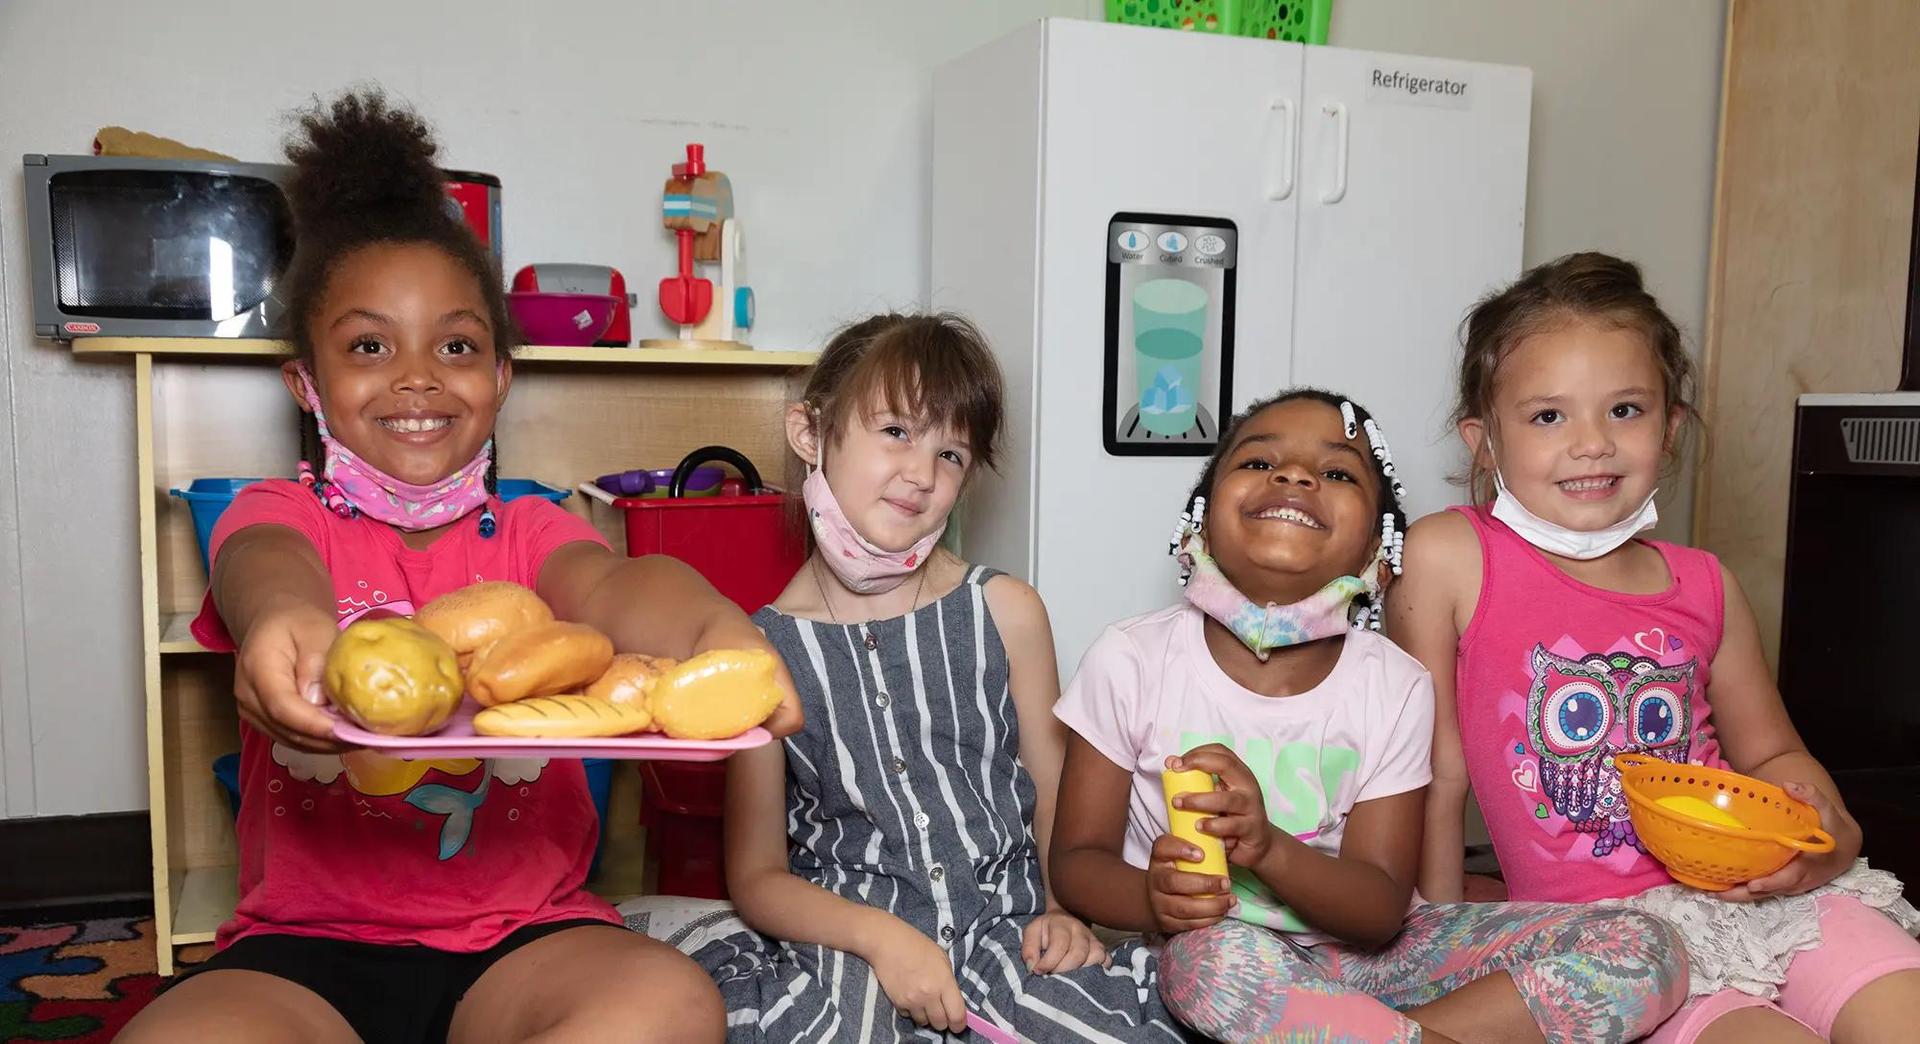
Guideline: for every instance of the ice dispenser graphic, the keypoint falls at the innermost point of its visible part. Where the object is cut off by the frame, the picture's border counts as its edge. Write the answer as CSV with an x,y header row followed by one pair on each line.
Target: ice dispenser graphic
x,y
1169,334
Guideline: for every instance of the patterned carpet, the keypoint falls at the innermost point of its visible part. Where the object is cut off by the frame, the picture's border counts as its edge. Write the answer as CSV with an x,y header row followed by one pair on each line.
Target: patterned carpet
x,y
75,980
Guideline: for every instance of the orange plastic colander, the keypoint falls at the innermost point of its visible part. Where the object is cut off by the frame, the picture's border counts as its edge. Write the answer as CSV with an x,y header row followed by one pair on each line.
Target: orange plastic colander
x,y
1704,854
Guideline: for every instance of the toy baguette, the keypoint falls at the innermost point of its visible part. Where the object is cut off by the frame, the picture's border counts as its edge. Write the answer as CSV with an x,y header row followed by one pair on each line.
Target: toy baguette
x,y
562,717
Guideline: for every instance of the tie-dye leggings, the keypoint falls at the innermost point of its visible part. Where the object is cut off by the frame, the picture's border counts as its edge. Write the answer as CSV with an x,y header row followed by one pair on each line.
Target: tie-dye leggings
x,y
1587,974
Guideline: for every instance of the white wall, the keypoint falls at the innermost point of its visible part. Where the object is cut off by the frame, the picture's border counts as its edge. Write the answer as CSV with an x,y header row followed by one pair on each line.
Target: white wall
x,y
1626,109
819,112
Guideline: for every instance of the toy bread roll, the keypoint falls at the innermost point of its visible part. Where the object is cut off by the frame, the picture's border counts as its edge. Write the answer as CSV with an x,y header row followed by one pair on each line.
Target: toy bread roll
x,y
562,717
540,661
715,695
630,678
475,617
392,676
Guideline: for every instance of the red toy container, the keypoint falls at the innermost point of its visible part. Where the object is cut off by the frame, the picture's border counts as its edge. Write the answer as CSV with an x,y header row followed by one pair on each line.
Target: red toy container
x,y
739,543
743,545
680,806
476,197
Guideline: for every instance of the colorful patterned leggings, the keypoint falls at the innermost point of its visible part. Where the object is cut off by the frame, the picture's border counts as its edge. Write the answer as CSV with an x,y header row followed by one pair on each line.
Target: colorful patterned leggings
x,y
1586,974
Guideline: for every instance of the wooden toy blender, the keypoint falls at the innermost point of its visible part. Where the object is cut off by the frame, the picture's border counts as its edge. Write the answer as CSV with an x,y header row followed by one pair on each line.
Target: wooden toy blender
x,y
697,207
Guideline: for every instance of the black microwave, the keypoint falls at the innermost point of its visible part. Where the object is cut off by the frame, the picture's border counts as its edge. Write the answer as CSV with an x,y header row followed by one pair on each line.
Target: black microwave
x,y
158,248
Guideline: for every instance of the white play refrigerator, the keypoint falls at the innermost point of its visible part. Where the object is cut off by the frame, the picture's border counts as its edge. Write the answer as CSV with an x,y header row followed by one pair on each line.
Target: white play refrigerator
x,y
1154,228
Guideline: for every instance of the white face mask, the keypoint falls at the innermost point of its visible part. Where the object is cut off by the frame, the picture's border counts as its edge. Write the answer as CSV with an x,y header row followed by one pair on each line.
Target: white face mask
x,y
1556,539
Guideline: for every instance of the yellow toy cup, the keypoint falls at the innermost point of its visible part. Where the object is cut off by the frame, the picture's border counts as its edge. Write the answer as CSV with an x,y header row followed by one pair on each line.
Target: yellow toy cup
x,y
1185,824
1699,846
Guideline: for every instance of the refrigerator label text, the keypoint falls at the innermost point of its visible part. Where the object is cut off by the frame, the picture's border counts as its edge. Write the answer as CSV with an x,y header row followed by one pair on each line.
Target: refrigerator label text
x,y
1453,90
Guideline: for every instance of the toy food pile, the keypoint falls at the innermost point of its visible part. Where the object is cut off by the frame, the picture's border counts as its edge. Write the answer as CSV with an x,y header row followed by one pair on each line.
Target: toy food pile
x,y
535,676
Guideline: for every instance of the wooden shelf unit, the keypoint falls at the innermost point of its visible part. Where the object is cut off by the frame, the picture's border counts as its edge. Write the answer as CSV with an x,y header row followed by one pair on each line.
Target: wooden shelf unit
x,y
207,407
175,347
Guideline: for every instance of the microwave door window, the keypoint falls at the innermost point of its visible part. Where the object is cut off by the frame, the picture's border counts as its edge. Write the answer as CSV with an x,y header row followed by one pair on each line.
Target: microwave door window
x,y
167,245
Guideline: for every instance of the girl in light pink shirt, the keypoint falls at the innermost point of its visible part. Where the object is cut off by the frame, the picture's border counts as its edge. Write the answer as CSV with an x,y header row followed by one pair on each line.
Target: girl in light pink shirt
x,y
1319,733
1557,640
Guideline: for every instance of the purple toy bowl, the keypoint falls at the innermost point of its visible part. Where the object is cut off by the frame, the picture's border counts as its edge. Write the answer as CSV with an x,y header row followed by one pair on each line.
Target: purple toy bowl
x,y
703,482
562,319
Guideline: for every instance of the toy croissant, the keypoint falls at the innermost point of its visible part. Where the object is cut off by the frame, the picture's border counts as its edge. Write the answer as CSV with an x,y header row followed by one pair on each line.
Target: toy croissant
x,y
119,141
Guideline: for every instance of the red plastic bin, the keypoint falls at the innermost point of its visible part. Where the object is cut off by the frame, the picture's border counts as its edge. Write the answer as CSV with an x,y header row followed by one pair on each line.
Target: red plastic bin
x,y
680,809
745,547
740,544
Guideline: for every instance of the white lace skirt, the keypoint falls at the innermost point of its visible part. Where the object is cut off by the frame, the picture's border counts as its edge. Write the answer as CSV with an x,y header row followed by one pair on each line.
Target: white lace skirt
x,y
1747,946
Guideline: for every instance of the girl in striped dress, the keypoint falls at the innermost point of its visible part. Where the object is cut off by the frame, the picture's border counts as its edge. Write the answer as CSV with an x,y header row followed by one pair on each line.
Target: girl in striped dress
x,y
889,861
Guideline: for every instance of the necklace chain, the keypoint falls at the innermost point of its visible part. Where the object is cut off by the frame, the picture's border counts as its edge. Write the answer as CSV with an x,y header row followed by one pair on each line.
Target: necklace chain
x,y
918,590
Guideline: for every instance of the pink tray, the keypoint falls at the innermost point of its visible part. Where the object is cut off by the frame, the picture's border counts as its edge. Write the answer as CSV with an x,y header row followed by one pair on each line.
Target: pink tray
x,y
458,740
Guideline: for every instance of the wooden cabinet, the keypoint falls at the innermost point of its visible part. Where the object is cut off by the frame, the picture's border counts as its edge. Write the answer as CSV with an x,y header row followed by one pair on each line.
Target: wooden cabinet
x,y
208,408
1812,220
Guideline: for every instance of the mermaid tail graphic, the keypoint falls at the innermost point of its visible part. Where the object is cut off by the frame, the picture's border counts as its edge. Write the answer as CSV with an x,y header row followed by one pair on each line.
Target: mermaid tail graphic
x,y
457,805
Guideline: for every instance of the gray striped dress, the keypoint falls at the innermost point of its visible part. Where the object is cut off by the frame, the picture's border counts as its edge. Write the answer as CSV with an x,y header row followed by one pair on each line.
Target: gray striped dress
x,y
905,791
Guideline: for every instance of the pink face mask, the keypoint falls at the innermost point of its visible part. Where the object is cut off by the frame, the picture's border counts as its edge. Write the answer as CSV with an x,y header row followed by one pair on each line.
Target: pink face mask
x,y
349,485
859,565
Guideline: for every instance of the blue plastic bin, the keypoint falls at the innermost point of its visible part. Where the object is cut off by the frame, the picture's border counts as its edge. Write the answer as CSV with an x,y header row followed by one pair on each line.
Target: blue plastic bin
x,y
226,769
600,785
514,489
207,498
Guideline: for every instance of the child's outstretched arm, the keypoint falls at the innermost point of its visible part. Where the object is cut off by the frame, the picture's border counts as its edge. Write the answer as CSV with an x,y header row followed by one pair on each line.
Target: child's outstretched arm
x,y
1056,940
913,970
1441,571
1759,739
276,599
659,605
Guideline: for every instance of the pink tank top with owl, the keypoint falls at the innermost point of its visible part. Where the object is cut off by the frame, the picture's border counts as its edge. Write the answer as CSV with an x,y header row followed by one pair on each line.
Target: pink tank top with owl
x,y
1554,677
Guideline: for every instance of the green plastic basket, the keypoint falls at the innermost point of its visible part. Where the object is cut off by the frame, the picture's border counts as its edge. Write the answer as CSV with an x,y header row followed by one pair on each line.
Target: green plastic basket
x,y
1298,21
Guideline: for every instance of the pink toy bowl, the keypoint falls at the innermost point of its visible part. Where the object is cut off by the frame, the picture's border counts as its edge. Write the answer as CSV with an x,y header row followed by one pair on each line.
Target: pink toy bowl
x,y
562,319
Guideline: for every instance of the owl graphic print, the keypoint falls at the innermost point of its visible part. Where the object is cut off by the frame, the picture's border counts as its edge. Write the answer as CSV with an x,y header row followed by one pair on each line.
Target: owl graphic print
x,y
1581,712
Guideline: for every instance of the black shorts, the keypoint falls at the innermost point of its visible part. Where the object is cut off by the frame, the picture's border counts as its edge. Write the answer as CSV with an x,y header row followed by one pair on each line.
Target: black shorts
x,y
388,994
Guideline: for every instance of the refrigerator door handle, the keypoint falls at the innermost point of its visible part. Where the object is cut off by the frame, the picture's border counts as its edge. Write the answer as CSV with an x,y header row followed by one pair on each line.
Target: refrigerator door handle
x,y
1339,190
1280,186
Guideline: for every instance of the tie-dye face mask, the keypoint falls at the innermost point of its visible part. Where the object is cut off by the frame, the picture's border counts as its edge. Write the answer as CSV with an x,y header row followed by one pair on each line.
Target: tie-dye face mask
x,y
1323,614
